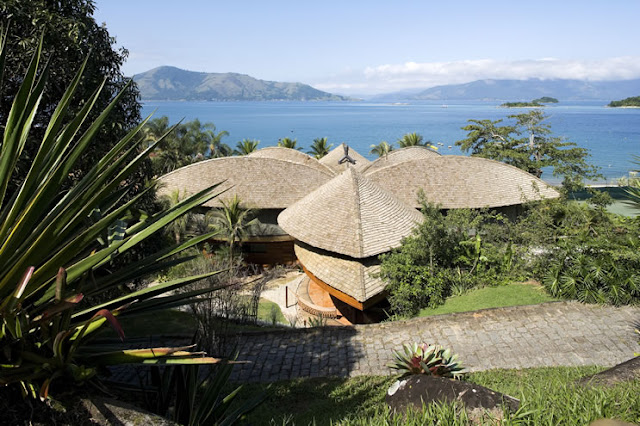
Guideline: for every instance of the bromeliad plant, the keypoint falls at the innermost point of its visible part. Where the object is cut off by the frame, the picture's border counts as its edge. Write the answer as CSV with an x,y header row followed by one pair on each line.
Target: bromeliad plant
x,y
431,360
56,245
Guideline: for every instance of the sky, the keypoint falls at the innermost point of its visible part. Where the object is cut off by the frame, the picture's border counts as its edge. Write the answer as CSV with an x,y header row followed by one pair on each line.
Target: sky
x,y
370,46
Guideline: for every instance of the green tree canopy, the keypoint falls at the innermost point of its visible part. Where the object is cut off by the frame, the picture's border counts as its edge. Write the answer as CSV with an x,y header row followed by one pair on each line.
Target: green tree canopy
x,y
70,35
289,143
529,145
319,148
188,143
411,139
246,147
383,148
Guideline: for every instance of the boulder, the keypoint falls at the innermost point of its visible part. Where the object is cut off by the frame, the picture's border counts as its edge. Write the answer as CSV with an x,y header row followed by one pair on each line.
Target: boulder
x,y
109,411
413,391
625,372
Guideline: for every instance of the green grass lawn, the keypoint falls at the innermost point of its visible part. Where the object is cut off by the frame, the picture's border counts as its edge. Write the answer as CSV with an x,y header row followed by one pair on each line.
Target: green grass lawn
x,y
548,396
266,311
491,297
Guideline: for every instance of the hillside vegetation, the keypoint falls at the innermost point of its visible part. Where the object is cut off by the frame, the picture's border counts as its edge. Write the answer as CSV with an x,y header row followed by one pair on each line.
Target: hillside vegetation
x,y
628,102
170,83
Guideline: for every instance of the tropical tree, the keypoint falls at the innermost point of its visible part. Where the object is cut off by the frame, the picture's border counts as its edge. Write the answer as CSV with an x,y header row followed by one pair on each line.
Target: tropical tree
x,y
71,34
232,221
246,147
189,143
633,190
410,139
382,149
319,148
288,143
415,139
528,145
58,241
177,229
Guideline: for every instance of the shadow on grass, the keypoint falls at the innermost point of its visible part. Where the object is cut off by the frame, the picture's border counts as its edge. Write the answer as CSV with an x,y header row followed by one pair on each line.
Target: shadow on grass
x,y
321,400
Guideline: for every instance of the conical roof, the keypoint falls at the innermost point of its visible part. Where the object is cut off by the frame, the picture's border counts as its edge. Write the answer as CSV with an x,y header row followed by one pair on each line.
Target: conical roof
x,y
454,181
354,277
398,156
293,155
332,159
350,215
260,182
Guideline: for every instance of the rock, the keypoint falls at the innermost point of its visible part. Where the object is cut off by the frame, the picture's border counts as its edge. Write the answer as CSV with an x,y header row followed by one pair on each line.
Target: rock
x,y
627,371
413,391
108,411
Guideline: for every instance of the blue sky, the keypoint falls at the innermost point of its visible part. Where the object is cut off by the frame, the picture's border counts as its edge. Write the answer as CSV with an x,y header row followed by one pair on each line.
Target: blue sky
x,y
365,47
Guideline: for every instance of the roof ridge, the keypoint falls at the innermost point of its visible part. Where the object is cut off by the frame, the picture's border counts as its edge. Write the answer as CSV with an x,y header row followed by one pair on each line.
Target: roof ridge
x,y
359,234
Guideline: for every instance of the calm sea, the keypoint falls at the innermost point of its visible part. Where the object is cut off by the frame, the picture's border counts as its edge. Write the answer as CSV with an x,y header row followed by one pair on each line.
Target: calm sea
x,y
612,135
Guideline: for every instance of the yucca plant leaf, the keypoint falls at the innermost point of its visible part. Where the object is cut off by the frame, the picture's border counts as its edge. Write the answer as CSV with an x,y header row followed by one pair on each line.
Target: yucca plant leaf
x,y
146,293
161,355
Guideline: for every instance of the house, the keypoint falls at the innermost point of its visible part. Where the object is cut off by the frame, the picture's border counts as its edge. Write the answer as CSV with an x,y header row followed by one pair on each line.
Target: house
x,y
336,215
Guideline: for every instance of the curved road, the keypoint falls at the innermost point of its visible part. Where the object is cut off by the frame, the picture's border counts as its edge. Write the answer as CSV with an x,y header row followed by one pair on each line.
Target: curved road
x,y
551,334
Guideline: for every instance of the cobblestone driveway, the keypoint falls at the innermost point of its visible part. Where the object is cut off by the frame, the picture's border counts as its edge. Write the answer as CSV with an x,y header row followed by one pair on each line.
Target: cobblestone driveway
x,y
552,334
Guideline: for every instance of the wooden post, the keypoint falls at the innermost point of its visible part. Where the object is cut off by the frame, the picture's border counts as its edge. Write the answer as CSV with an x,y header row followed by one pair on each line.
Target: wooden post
x,y
286,296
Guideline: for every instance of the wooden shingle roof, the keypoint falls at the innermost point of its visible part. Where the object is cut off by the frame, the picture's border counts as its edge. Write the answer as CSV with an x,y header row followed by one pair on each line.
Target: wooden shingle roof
x,y
263,183
332,159
461,182
350,215
293,155
353,277
400,156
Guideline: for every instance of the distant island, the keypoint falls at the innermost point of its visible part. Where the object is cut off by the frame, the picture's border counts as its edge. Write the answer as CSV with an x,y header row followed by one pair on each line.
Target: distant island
x,y
633,102
532,104
175,84
536,103
546,100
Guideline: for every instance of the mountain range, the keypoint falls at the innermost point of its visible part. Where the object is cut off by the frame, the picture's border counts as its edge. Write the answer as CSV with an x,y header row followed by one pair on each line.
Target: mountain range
x,y
171,83
523,90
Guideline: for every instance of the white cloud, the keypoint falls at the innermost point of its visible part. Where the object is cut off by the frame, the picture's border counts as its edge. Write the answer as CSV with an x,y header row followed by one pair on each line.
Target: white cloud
x,y
412,75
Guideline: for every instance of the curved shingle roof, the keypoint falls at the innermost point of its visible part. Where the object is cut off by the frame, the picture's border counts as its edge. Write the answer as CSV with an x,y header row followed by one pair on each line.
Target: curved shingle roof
x,y
354,277
293,155
461,182
335,155
263,183
400,156
350,215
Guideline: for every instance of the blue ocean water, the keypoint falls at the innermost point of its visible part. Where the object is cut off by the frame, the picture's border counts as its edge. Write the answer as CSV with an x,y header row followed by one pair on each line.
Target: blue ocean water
x,y
612,135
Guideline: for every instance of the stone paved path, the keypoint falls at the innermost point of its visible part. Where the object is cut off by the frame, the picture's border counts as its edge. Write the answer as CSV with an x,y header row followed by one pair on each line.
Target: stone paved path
x,y
552,334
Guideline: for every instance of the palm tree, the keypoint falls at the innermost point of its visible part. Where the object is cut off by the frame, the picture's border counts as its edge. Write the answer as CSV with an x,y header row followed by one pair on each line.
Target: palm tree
x,y
288,143
247,146
383,148
232,221
411,139
415,139
155,129
178,228
319,148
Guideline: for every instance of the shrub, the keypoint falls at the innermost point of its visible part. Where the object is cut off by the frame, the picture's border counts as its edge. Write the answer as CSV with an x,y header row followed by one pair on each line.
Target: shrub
x,y
57,244
454,250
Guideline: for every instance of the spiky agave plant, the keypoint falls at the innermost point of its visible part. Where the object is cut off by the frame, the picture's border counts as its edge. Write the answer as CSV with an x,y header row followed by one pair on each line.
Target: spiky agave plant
x,y
54,252
431,360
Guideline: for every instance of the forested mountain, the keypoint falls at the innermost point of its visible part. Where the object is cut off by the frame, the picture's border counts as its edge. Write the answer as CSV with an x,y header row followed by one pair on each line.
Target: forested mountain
x,y
520,90
170,83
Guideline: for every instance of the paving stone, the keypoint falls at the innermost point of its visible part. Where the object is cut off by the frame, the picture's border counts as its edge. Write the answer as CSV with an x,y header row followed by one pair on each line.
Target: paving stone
x,y
564,333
